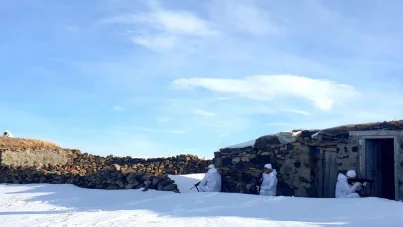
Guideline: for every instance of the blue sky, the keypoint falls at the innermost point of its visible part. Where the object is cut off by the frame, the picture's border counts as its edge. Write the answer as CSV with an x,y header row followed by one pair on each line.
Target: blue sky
x,y
153,78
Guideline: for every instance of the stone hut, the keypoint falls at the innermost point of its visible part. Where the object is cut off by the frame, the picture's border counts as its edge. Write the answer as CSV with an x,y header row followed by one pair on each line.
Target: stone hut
x,y
308,161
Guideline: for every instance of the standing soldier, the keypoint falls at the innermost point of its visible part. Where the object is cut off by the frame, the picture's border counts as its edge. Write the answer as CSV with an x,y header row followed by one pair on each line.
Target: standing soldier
x,y
268,181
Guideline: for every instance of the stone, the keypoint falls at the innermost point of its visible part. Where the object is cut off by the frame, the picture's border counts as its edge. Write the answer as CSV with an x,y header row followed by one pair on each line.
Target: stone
x,y
147,177
217,162
117,167
235,160
129,170
155,182
245,159
160,187
170,187
130,177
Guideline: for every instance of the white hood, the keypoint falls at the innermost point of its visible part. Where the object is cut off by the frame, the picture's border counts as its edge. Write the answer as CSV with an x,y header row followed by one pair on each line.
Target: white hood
x,y
341,176
213,170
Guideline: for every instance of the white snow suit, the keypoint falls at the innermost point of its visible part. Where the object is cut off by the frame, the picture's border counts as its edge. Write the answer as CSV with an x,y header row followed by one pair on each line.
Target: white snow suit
x,y
211,181
269,184
343,189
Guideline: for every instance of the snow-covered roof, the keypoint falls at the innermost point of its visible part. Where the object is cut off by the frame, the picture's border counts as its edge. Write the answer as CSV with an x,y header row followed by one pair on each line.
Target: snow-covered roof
x,y
241,145
335,132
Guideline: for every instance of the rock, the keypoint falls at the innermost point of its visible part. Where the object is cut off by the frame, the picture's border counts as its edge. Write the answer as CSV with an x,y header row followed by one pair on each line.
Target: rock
x,y
170,187
155,182
147,177
245,159
129,186
160,187
129,171
235,160
130,177
138,176
117,167
120,183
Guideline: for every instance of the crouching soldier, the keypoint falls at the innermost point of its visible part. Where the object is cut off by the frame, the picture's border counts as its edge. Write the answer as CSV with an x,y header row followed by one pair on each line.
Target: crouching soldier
x,y
343,189
211,181
268,181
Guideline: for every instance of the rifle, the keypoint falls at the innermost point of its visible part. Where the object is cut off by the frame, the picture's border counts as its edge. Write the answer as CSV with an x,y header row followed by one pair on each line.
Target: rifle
x,y
352,181
195,186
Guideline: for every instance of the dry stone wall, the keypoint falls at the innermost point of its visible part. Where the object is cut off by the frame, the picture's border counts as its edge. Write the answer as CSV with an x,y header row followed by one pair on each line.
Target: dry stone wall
x,y
241,168
92,171
296,163
347,155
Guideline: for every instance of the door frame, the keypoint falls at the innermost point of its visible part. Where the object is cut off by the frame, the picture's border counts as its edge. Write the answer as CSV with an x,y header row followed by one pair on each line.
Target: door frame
x,y
364,135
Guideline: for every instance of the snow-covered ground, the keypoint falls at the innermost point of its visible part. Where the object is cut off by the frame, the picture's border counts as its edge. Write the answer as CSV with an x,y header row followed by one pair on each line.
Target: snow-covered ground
x,y
186,182
67,205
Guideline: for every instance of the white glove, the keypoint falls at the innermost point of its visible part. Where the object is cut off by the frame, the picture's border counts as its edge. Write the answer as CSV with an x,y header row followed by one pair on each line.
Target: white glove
x,y
357,184
365,184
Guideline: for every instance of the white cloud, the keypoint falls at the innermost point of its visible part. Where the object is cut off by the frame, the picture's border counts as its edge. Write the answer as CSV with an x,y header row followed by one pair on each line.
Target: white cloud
x,y
161,29
203,113
323,93
181,22
156,43
119,108
301,112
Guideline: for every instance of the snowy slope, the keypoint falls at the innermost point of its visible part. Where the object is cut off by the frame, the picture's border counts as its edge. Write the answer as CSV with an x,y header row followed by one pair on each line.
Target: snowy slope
x,y
67,205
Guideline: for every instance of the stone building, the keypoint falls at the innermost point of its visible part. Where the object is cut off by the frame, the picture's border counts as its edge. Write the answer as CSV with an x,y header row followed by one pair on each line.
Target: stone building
x,y
308,161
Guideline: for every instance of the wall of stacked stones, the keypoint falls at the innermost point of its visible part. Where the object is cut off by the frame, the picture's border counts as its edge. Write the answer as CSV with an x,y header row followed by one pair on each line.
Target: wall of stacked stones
x,y
296,164
241,168
91,171
347,154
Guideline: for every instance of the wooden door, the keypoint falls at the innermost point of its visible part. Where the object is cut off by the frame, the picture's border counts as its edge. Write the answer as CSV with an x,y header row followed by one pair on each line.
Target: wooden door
x,y
327,171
